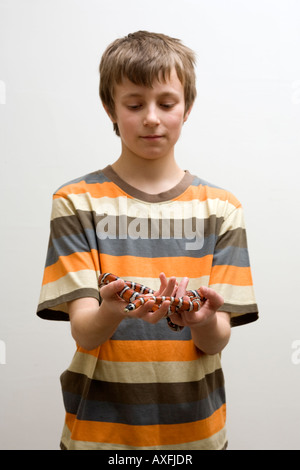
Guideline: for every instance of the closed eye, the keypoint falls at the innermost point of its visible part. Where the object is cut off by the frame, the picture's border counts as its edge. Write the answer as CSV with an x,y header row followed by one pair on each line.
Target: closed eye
x,y
134,106
167,105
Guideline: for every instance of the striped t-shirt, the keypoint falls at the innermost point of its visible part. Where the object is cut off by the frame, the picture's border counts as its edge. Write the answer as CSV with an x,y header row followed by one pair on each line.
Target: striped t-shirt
x,y
148,387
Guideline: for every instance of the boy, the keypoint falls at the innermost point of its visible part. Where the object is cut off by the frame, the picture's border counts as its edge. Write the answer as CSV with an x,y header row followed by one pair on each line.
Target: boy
x,y
133,382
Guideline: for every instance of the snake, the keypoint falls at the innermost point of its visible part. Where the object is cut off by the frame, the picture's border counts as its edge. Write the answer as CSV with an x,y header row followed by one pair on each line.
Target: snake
x,y
138,294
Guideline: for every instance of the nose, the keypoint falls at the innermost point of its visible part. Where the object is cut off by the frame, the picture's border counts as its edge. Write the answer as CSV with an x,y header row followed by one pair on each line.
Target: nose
x,y
151,118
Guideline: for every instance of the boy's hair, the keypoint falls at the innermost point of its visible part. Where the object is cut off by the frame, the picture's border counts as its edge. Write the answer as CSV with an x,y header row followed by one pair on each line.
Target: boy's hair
x,y
143,57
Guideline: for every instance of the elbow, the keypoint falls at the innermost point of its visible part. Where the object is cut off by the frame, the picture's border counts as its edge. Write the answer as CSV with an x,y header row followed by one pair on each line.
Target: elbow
x,y
82,341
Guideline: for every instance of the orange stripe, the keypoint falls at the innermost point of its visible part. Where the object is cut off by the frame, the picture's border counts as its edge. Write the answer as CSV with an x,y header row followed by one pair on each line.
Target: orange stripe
x,y
71,263
151,267
96,190
145,351
233,275
152,435
121,265
203,193
110,189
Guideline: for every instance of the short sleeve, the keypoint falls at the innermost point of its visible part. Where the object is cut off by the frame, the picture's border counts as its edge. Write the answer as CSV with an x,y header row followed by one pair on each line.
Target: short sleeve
x,y
231,272
72,263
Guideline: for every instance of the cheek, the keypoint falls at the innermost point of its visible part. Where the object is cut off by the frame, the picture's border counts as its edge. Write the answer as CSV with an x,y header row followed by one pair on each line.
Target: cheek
x,y
176,122
124,120
177,117
127,126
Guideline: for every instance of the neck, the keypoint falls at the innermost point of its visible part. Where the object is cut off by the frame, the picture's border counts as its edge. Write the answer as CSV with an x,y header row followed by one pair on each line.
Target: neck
x,y
152,176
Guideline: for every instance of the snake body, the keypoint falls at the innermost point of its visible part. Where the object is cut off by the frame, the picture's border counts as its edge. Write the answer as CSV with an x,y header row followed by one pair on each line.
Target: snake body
x,y
137,294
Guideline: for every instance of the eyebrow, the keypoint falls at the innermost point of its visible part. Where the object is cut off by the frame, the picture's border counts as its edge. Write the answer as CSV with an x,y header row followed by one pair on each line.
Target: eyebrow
x,y
166,94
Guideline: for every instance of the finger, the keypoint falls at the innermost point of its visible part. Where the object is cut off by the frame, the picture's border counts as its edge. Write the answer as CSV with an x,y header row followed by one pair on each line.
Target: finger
x,y
177,319
110,290
163,284
181,290
143,310
167,287
171,287
214,299
151,312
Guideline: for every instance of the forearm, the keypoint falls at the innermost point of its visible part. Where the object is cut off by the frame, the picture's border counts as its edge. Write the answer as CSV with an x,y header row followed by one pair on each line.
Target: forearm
x,y
212,337
92,325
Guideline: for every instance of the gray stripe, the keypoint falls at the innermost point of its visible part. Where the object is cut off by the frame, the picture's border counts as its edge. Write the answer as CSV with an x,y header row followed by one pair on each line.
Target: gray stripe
x,y
146,248
90,178
121,226
200,182
142,330
65,246
155,248
232,256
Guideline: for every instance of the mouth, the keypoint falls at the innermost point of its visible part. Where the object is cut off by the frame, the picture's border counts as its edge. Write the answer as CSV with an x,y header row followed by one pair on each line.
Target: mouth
x,y
151,137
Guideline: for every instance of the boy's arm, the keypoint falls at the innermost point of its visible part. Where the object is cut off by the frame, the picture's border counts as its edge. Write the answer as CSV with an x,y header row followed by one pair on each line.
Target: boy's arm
x,y
92,325
213,336
210,328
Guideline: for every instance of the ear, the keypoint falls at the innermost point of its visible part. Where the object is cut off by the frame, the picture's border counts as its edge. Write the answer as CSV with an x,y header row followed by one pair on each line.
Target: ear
x,y
110,115
185,118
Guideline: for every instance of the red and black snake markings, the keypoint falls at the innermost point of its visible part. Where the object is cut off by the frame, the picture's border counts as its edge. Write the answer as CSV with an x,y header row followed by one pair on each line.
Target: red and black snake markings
x,y
138,294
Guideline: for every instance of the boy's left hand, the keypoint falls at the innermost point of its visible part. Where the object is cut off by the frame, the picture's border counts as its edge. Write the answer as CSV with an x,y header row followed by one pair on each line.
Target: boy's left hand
x,y
205,314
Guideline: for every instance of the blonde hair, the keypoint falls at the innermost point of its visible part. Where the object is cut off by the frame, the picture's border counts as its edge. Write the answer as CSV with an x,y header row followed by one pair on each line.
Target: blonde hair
x,y
143,57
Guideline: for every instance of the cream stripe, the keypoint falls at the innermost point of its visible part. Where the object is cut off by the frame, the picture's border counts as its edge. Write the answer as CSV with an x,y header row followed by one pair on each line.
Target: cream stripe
x,y
234,220
132,208
144,372
69,283
239,295
154,283
62,208
215,442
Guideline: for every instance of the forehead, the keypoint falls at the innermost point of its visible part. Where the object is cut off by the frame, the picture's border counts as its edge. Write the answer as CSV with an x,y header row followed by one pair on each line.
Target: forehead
x,y
170,86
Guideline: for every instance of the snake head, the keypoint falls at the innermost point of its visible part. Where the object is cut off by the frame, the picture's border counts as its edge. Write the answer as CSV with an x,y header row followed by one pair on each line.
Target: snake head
x,y
129,308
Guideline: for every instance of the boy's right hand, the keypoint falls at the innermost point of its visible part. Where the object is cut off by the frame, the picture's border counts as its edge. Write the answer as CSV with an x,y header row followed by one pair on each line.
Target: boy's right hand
x,y
112,302
92,325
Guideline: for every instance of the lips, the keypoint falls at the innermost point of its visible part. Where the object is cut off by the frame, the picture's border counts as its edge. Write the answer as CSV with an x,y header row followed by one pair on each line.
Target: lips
x,y
152,137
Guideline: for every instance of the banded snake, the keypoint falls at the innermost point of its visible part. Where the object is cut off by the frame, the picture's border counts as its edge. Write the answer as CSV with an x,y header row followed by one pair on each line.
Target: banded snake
x,y
137,294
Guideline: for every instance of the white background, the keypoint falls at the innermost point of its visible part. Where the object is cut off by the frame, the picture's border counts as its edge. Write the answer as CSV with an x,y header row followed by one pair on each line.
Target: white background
x,y
243,134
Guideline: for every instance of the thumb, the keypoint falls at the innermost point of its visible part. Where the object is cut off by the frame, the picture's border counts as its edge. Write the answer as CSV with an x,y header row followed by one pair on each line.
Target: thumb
x,y
110,290
215,299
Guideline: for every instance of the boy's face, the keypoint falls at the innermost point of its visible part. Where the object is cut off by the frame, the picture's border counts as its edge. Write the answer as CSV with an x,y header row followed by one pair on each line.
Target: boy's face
x,y
150,119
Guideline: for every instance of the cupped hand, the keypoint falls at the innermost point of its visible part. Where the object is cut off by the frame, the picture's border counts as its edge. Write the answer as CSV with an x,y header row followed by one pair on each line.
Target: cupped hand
x,y
213,301
111,301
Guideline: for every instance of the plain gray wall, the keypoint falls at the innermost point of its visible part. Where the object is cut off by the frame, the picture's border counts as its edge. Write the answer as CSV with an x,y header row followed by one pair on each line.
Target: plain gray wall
x,y
243,134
